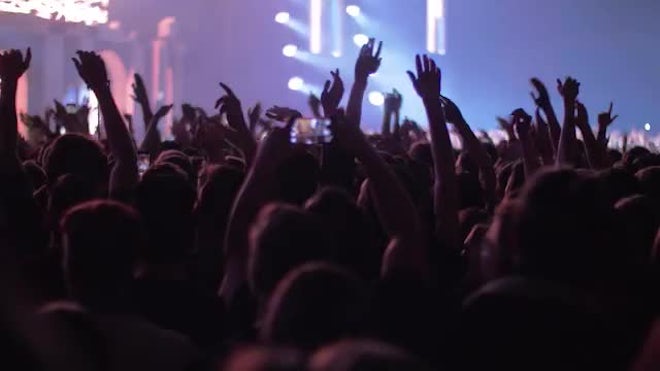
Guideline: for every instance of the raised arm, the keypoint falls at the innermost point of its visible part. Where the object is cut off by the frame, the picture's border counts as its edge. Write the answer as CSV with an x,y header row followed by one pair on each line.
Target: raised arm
x,y
151,142
256,191
595,153
141,97
12,67
605,119
394,206
231,106
543,140
522,123
332,94
474,148
445,189
367,64
543,102
569,90
124,175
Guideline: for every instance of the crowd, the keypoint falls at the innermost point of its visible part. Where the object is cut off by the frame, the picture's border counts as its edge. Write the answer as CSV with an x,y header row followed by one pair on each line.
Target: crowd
x,y
232,248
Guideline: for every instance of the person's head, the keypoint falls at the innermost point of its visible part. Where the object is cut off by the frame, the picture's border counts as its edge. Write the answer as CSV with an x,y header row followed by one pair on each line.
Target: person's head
x,y
265,359
298,177
649,181
65,192
100,239
347,227
618,183
363,355
78,155
217,192
421,152
313,305
638,220
165,199
614,156
281,238
633,154
180,160
565,228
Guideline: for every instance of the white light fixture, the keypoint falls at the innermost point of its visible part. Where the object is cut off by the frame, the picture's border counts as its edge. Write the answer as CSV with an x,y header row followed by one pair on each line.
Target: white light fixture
x,y
315,26
296,83
376,98
336,54
353,10
647,126
360,39
282,17
289,50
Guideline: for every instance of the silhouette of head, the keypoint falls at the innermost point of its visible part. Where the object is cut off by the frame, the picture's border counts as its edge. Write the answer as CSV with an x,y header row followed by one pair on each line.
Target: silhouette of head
x,y
282,238
78,155
165,199
565,228
315,304
347,227
100,240
364,355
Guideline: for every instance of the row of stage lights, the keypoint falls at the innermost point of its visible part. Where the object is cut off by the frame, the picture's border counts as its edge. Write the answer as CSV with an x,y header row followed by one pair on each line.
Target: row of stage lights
x,y
291,50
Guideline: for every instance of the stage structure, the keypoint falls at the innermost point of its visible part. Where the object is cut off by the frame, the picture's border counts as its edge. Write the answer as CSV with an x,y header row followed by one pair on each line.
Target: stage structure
x,y
55,29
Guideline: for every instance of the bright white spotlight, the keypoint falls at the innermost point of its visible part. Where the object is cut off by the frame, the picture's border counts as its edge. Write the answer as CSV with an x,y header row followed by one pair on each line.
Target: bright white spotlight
x,y
296,83
376,98
336,54
282,17
290,50
647,126
360,39
353,10
315,26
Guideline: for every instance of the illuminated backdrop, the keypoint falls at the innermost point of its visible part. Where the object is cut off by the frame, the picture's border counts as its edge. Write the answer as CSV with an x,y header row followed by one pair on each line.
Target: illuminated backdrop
x,y
89,12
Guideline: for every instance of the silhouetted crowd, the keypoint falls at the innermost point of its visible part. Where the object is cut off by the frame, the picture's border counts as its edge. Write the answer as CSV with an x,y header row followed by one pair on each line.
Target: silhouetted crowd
x,y
238,246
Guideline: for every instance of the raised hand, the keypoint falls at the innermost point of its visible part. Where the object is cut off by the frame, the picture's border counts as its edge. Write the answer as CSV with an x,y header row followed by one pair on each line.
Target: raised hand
x,y
452,112
282,114
254,115
508,127
582,118
393,102
230,105
427,82
368,62
543,98
91,69
13,65
163,111
569,89
314,104
605,119
332,94
139,90
522,122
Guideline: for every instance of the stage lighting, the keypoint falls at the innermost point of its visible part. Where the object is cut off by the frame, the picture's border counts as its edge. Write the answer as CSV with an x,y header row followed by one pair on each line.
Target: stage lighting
x,y
376,98
336,54
315,26
360,39
282,17
296,83
353,10
290,50
647,126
